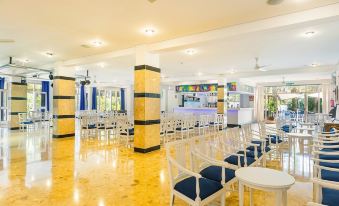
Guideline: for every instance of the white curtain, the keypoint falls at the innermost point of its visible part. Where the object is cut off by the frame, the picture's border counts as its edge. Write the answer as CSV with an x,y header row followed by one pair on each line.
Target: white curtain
x,y
259,102
326,93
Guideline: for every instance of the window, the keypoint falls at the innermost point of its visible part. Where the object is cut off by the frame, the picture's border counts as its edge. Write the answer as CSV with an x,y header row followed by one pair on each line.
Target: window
x,y
34,96
109,99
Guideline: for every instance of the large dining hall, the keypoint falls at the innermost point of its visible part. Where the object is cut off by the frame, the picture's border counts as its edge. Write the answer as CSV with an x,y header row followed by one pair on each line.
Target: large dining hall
x,y
169,102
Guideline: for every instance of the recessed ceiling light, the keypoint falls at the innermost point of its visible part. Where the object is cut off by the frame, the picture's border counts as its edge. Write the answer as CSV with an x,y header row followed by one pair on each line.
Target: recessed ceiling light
x,y
309,34
97,43
101,64
199,74
190,51
25,60
49,54
149,31
232,71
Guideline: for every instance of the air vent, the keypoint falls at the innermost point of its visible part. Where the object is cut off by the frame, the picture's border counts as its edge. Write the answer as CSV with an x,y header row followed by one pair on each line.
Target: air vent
x,y
86,46
274,2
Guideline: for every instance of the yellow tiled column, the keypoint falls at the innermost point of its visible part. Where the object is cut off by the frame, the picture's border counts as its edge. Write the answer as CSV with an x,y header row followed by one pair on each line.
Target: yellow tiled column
x,y
18,103
63,107
146,108
222,96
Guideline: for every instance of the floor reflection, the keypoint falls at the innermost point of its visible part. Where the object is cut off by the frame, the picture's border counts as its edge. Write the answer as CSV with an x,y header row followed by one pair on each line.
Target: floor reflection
x,y
38,170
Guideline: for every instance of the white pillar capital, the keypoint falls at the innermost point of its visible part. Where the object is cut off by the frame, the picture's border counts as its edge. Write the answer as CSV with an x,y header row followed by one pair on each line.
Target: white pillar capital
x,y
62,70
144,57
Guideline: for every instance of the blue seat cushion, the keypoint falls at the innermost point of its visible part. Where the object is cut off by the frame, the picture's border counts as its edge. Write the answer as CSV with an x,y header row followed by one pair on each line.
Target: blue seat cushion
x,y
207,187
267,149
330,149
250,154
130,132
27,122
214,173
233,159
103,127
329,164
286,128
274,139
335,143
260,142
330,197
329,157
329,175
90,126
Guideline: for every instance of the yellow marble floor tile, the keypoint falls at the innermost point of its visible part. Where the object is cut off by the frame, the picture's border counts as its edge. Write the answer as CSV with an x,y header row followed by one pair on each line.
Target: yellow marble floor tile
x,y
38,170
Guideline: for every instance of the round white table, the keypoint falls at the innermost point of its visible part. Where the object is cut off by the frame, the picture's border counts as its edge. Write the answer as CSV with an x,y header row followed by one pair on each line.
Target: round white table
x,y
264,179
292,141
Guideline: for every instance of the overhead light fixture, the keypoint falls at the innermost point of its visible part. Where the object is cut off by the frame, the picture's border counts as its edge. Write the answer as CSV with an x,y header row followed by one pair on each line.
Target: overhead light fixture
x,y
97,43
101,64
314,65
232,71
49,54
190,51
309,34
149,31
199,74
24,61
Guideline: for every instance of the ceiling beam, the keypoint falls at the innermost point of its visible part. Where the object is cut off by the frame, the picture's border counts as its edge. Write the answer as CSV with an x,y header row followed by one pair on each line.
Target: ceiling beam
x,y
318,14
321,14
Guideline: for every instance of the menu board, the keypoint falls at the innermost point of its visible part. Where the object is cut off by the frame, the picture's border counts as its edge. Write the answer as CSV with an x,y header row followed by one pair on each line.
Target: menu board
x,y
197,88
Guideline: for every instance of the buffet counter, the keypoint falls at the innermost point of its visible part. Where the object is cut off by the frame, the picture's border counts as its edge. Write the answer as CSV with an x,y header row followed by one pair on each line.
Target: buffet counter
x,y
197,111
236,117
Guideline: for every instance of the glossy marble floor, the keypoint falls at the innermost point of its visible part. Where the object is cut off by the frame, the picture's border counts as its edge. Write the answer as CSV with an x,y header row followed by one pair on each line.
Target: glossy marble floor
x,y
38,170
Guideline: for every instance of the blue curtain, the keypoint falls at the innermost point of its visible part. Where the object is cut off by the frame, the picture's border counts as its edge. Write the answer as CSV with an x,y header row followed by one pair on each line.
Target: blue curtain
x,y
2,86
94,98
82,97
45,88
2,82
122,99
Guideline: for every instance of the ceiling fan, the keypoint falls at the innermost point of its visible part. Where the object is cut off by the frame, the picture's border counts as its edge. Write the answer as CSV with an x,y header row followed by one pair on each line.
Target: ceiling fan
x,y
86,78
258,66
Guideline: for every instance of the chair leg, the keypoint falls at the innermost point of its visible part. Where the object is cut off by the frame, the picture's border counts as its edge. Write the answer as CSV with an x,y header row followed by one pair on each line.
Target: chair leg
x,y
222,200
172,199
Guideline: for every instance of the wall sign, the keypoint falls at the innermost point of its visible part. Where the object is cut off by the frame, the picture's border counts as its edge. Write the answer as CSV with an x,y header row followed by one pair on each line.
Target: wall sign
x,y
197,88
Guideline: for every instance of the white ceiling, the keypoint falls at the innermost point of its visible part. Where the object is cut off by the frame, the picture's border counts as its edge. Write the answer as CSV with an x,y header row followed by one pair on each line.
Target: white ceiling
x,y
63,26
287,51
282,49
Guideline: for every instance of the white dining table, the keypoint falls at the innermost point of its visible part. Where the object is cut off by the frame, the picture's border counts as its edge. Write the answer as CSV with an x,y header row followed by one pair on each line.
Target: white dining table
x,y
292,142
264,179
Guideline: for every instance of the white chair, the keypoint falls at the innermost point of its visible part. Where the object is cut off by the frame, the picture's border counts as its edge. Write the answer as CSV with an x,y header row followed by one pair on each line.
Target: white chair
x,y
126,129
186,184
170,129
25,122
326,170
181,127
88,125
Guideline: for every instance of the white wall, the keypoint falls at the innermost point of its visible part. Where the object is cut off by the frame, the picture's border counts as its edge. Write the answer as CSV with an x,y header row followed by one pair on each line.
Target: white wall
x,y
168,98
129,99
